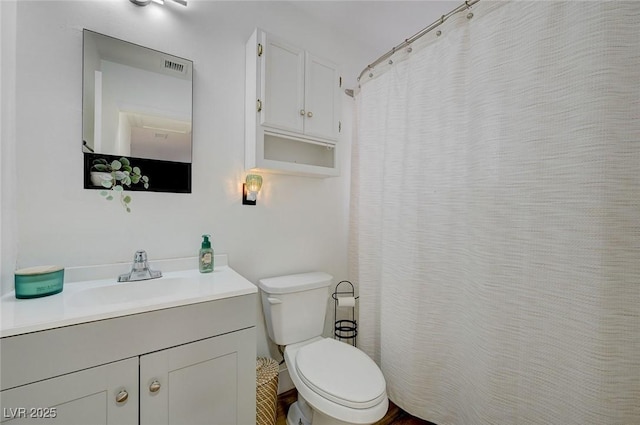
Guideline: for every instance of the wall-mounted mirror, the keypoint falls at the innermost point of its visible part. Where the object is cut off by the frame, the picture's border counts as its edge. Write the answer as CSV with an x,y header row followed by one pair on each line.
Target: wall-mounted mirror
x,y
137,103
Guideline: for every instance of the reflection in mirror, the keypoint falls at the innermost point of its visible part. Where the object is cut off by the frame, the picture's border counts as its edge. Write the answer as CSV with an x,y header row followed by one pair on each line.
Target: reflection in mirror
x,y
137,103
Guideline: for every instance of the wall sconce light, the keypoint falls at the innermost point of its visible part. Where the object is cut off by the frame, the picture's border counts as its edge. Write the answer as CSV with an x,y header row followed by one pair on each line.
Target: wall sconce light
x,y
146,2
250,189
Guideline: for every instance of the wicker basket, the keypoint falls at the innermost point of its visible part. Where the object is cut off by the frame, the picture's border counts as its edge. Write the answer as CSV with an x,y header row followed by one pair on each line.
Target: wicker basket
x,y
266,390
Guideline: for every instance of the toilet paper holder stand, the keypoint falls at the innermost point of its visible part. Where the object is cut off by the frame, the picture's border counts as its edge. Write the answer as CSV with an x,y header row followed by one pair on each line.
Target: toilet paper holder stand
x,y
344,299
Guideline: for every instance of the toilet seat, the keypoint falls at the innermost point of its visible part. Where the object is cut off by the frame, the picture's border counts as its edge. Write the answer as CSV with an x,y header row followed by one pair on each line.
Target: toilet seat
x,y
341,373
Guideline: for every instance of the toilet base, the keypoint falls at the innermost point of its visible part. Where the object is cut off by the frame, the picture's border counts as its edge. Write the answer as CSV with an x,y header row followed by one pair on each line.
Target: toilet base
x,y
320,418
296,417
300,413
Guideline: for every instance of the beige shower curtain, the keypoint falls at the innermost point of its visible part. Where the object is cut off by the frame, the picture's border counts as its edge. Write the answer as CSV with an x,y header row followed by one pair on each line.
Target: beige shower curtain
x,y
495,216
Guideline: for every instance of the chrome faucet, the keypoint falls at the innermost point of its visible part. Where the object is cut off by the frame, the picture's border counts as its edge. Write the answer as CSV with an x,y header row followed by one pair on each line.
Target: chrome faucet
x,y
140,269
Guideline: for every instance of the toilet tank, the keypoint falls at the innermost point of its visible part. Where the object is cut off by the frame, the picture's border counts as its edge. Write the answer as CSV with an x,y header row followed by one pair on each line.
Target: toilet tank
x,y
295,306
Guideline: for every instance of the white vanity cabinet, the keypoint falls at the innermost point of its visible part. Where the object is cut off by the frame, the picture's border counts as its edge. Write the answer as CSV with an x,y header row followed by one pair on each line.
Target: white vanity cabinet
x,y
292,108
184,363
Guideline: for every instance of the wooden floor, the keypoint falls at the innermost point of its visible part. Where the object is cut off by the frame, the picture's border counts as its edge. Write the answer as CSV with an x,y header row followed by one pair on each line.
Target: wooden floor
x,y
394,416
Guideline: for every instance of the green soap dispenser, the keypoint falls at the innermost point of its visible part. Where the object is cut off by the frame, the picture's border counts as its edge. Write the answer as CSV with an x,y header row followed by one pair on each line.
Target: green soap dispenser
x,y
205,259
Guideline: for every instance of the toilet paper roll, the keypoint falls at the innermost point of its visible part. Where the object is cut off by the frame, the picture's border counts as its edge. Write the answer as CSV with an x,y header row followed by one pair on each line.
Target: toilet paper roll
x,y
346,302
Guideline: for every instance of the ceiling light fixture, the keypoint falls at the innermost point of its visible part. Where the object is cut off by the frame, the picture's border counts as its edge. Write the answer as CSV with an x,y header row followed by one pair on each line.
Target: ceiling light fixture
x,y
146,2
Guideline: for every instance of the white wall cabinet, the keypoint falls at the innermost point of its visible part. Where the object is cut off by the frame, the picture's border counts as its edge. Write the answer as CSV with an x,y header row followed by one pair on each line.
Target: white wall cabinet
x,y
292,109
192,364
280,102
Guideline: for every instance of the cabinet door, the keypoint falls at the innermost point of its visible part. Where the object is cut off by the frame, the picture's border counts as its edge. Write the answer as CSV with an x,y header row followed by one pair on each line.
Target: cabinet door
x,y
282,85
211,381
321,95
80,398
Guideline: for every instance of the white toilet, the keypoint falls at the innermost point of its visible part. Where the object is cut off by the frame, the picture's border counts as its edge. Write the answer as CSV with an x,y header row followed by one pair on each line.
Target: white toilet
x,y
336,382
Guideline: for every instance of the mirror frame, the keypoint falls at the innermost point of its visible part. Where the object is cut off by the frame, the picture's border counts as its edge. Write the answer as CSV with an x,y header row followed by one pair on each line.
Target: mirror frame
x,y
164,176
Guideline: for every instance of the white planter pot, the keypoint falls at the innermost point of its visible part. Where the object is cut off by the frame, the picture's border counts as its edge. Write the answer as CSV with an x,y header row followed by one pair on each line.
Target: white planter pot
x,y
97,177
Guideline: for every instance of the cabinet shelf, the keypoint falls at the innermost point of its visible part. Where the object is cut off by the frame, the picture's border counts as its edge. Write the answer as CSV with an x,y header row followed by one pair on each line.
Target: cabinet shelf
x,y
291,155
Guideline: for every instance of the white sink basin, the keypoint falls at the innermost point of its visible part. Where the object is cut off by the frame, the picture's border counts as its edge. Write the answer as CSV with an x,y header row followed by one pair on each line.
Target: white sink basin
x,y
134,292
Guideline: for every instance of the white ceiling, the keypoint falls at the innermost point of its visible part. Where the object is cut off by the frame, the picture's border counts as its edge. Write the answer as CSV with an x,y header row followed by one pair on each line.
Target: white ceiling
x,y
377,25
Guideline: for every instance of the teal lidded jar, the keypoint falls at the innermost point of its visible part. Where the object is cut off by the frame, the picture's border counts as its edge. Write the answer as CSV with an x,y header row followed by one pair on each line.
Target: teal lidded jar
x,y
40,281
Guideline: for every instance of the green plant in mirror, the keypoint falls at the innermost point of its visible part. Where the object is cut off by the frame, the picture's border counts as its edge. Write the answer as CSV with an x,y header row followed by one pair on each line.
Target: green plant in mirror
x,y
117,175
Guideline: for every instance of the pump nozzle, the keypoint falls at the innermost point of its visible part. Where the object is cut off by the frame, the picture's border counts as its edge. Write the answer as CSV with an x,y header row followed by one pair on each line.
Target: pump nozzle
x,y
205,242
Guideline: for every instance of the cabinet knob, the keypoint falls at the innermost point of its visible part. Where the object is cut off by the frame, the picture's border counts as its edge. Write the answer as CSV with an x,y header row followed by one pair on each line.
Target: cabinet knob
x,y
302,112
122,396
154,387
309,114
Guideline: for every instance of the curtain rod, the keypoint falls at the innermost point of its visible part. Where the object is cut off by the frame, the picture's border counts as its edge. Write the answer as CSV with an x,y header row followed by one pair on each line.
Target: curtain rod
x,y
464,6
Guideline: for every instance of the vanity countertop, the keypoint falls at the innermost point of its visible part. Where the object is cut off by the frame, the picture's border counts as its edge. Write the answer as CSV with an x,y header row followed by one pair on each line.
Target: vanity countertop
x,y
93,300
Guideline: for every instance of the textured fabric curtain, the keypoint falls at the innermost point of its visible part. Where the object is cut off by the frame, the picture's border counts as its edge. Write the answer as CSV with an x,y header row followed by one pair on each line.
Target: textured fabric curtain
x,y
495,217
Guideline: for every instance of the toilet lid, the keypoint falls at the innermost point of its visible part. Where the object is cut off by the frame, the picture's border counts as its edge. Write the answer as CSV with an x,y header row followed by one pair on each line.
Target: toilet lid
x,y
341,373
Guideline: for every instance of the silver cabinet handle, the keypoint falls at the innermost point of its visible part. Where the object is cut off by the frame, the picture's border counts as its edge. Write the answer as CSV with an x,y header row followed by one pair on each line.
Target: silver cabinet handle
x,y
122,396
154,387
302,112
309,114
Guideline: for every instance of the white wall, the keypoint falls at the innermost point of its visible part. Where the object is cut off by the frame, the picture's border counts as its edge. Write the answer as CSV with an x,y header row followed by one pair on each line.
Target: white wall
x,y
299,224
8,217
